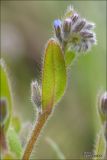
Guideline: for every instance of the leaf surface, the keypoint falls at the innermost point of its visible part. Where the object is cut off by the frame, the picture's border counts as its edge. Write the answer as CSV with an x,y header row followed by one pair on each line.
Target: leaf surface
x,y
54,75
5,92
14,142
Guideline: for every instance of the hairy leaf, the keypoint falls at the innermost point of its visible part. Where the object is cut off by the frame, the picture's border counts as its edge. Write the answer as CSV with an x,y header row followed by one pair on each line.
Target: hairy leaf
x,y
16,123
54,75
14,142
5,93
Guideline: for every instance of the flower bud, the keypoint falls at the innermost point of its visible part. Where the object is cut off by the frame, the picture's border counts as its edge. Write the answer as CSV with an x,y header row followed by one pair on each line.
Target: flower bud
x,y
36,95
57,27
3,111
67,25
89,26
103,107
74,18
104,103
79,26
93,41
66,28
86,34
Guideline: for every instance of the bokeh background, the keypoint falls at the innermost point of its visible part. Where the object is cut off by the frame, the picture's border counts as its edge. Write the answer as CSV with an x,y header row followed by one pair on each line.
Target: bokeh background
x,y
25,28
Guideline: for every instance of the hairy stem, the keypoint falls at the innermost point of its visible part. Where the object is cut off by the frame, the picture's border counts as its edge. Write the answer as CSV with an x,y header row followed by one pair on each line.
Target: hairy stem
x,y
35,133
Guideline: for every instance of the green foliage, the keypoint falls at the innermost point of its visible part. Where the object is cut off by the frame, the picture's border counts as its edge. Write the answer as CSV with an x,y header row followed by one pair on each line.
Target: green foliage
x,y
14,142
5,92
16,124
54,75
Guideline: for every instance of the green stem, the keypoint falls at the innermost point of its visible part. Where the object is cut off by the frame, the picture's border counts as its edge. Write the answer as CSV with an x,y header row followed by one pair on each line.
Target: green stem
x,y
35,133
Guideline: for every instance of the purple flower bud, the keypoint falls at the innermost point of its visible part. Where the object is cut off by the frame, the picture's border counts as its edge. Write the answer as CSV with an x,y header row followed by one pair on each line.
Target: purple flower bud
x,y
79,26
86,34
66,28
67,25
104,103
57,23
3,111
57,27
102,107
89,26
92,40
74,18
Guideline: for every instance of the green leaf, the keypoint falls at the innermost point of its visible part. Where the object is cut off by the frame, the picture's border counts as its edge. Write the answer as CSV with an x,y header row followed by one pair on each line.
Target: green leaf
x,y
69,57
5,92
16,124
54,75
14,142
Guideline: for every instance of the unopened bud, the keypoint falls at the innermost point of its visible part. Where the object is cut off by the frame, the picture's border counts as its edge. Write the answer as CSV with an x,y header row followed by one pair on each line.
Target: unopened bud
x,y
67,25
66,28
89,26
87,34
57,27
74,18
79,26
36,95
3,111
104,103
103,106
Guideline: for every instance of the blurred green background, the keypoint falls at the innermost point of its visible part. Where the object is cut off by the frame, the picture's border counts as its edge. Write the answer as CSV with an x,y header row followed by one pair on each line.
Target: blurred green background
x,y
25,28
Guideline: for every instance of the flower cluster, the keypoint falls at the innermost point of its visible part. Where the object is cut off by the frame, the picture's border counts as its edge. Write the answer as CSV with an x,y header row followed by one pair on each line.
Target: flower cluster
x,y
75,32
